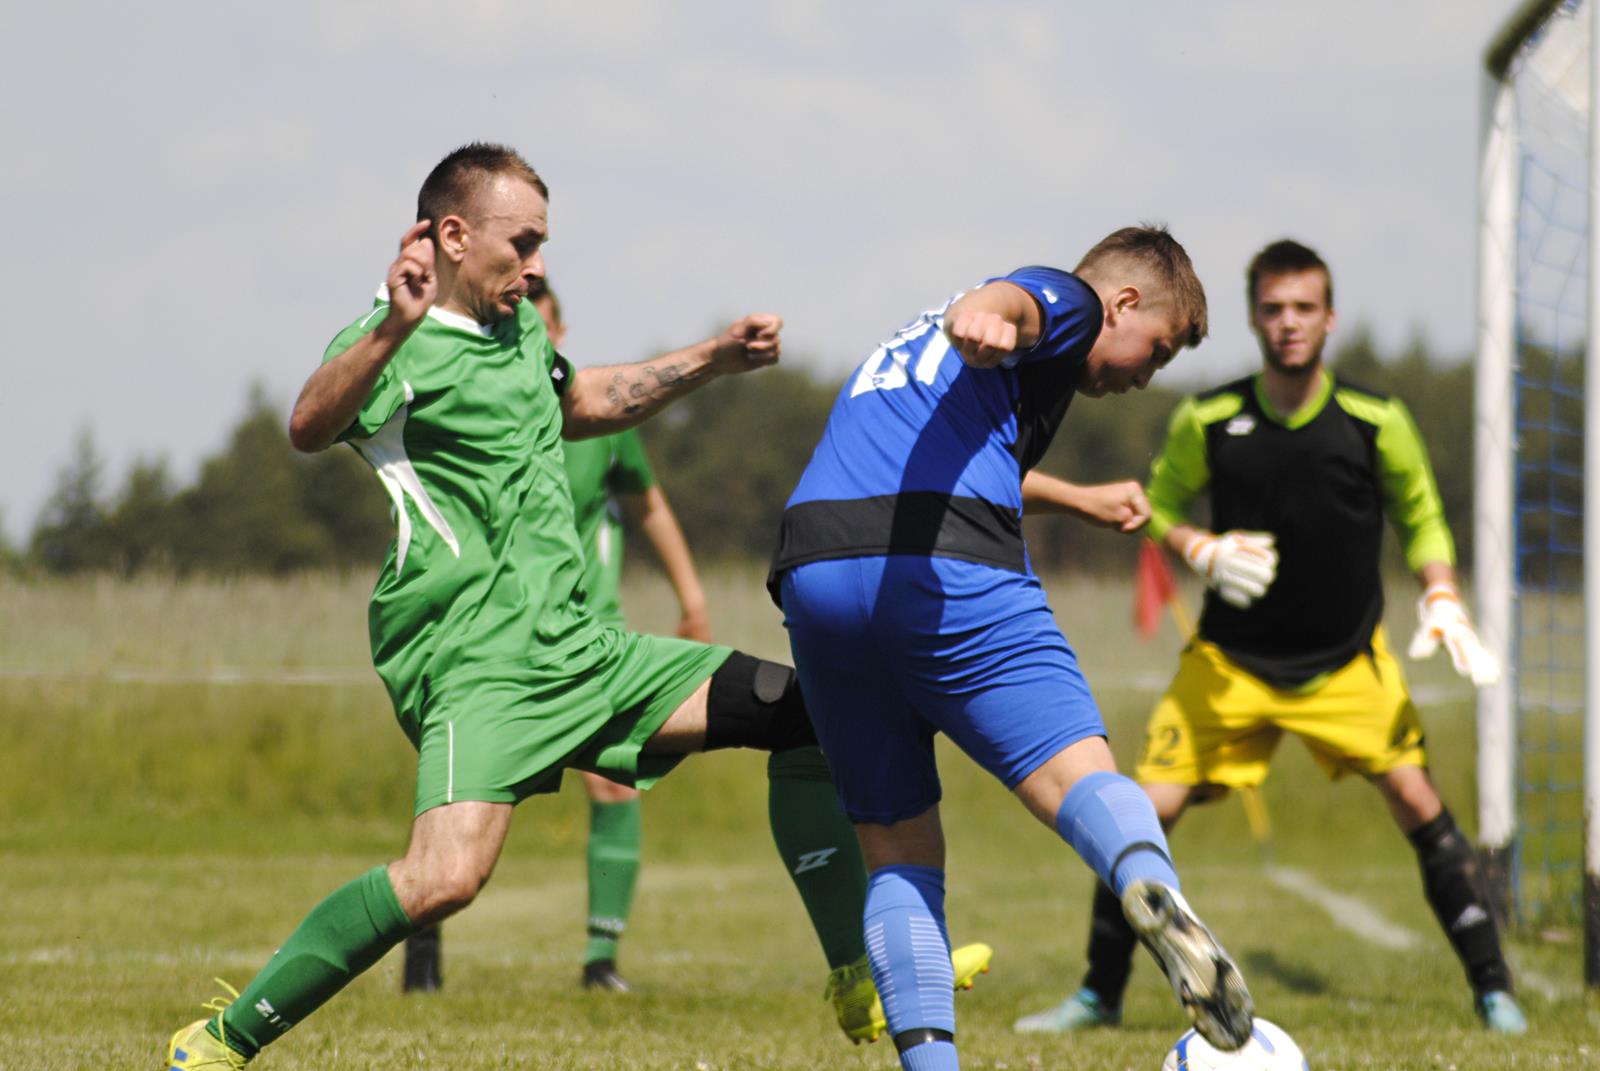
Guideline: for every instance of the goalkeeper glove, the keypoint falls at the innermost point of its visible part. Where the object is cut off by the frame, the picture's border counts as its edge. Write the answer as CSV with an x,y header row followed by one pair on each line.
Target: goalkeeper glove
x,y
1239,565
1442,620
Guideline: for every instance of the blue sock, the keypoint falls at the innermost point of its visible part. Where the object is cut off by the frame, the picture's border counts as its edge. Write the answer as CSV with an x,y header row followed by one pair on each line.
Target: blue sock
x,y
931,1056
1112,824
910,955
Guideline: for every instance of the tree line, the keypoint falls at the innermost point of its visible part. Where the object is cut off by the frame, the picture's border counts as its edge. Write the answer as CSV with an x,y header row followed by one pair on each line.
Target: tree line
x,y
727,457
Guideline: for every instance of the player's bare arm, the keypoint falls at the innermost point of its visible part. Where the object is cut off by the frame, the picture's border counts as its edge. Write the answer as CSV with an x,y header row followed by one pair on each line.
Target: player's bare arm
x,y
335,392
1120,505
653,515
613,397
991,323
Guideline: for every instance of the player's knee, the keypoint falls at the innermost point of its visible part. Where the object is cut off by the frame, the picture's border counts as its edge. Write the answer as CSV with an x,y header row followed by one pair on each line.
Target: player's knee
x,y
1440,844
1411,796
436,893
755,703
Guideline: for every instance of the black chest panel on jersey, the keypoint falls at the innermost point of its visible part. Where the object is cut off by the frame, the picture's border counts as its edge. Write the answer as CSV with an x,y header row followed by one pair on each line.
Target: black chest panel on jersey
x,y
1045,390
1316,488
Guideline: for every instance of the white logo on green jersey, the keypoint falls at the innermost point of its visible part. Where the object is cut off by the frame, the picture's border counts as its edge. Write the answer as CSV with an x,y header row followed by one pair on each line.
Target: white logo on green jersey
x,y
386,453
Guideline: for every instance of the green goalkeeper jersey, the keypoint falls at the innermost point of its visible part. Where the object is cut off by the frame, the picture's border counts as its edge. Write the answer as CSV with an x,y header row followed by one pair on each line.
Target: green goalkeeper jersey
x,y
464,430
597,471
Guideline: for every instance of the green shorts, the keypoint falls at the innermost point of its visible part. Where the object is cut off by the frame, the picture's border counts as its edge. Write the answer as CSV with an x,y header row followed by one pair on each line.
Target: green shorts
x,y
503,737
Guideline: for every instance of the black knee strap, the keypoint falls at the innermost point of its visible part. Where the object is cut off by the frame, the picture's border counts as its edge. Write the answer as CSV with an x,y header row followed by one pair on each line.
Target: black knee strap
x,y
1440,838
908,1039
755,703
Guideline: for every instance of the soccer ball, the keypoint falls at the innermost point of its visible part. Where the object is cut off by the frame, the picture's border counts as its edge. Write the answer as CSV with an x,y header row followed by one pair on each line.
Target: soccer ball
x,y
1269,1049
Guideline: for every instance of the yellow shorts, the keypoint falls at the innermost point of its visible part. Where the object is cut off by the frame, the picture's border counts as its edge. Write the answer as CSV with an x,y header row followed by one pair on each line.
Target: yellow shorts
x,y
1219,724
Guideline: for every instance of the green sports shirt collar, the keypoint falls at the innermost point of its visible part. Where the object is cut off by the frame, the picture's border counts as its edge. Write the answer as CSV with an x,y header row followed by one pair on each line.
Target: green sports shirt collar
x,y
1300,417
456,320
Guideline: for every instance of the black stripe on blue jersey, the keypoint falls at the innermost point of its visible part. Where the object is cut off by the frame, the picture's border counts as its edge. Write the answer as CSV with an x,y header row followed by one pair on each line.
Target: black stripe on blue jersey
x,y
1316,488
924,523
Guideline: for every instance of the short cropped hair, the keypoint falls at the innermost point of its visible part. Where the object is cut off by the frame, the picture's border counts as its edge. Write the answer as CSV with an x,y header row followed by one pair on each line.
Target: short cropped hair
x,y
1149,251
1281,257
455,182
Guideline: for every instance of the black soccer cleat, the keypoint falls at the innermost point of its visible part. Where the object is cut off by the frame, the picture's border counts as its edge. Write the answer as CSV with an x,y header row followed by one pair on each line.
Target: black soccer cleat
x,y
602,974
1203,977
423,972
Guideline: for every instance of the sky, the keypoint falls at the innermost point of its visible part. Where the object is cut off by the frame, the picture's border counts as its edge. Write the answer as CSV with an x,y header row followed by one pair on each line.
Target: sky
x,y
203,194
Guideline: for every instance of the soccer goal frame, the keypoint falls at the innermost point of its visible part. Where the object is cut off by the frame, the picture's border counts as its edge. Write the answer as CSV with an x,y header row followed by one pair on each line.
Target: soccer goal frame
x,y
1500,510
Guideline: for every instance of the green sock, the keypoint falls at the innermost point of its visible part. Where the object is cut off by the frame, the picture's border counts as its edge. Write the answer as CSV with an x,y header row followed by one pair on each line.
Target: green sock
x,y
819,849
613,870
343,936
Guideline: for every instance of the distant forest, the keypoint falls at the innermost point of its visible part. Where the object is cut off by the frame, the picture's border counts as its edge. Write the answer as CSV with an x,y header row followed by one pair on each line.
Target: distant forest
x,y
727,457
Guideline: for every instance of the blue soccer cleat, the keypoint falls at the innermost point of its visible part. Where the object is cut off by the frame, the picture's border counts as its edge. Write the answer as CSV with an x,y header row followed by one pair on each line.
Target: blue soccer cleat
x,y
1500,1013
1080,1011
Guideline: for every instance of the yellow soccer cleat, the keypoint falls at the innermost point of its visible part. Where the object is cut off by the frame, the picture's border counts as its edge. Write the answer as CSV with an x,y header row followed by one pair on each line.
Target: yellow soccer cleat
x,y
855,1001
855,997
969,961
194,1047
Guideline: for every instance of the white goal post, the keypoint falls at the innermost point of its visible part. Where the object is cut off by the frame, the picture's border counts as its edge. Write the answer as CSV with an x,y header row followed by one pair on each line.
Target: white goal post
x,y
1535,486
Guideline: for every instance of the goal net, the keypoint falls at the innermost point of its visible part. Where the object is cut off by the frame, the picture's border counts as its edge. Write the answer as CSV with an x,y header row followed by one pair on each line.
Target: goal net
x,y
1537,759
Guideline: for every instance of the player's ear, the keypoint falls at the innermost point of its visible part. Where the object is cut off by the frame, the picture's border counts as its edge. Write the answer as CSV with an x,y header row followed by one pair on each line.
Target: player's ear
x,y
452,231
1126,299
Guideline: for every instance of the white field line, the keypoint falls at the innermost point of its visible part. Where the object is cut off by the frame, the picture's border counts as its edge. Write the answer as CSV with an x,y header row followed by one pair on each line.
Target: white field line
x,y
1545,986
1347,912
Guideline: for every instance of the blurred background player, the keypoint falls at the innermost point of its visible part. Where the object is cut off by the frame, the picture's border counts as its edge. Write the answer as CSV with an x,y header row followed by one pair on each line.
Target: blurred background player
x,y
1301,470
912,610
610,475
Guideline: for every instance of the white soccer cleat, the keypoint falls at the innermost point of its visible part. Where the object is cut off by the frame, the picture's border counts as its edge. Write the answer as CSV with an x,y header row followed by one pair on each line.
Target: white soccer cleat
x,y
1203,977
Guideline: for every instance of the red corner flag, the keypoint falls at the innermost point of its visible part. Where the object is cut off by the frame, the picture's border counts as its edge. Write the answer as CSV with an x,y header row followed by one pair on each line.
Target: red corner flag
x,y
1153,589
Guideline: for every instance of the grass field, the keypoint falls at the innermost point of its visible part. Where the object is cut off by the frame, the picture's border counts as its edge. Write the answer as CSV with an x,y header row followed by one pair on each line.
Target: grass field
x,y
186,769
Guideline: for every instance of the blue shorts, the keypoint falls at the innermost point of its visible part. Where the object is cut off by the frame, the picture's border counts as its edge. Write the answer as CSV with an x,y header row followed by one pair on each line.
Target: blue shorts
x,y
892,650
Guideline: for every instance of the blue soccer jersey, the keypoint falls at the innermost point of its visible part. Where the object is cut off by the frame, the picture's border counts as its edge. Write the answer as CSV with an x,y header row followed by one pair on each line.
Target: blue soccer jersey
x,y
924,455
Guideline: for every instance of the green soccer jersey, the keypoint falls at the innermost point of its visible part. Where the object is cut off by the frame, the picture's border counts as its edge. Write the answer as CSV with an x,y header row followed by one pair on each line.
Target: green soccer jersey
x,y
597,471
464,430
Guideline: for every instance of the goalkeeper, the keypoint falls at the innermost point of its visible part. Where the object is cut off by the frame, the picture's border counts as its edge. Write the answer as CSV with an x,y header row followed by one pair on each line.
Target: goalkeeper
x,y
1301,469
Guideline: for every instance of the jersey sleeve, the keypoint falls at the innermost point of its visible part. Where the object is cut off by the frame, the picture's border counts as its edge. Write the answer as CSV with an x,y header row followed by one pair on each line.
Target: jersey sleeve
x,y
1070,312
1180,472
561,372
630,472
388,393
1410,496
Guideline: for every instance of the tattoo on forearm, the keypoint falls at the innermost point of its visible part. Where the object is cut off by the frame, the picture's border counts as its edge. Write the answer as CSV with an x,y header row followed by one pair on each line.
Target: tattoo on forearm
x,y
633,389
